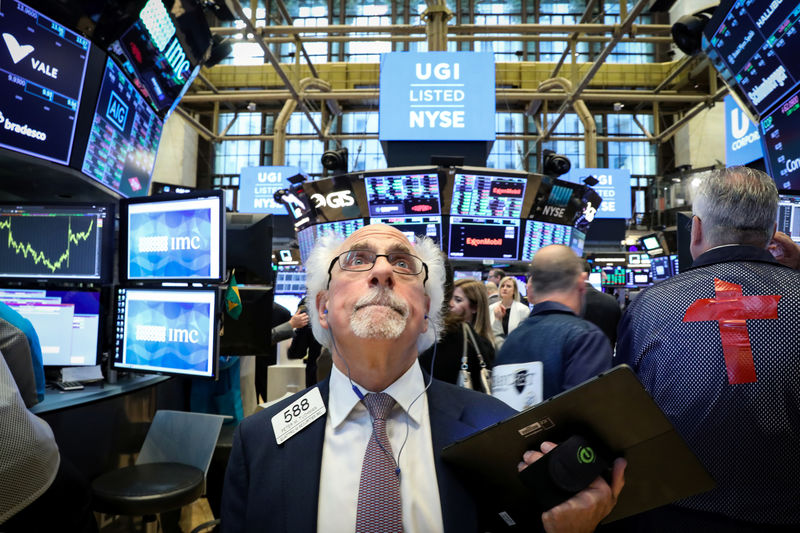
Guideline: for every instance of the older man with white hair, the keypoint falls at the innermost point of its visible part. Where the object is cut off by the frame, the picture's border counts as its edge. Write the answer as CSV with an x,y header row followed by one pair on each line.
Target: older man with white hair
x,y
361,451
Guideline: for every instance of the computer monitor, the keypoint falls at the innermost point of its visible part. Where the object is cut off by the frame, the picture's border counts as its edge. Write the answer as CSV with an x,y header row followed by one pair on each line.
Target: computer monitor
x,y
290,283
411,227
661,267
614,276
308,236
484,238
487,195
173,238
248,249
54,241
44,70
68,322
652,244
123,141
539,234
403,194
781,141
789,214
461,274
247,335
167,331
638,277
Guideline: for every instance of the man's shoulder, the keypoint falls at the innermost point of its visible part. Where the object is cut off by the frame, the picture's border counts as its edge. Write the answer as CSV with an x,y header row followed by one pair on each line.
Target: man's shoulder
x,y
262,420
474,405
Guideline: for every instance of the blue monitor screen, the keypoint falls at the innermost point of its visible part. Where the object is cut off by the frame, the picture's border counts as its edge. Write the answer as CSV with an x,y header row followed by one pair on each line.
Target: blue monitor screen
x,y
308,236
153,56
178,238
290,283
487,196
403,195
70,242
661,268
43,67
169,331
413,226
66,322
781,138
123,141
484,238
539,234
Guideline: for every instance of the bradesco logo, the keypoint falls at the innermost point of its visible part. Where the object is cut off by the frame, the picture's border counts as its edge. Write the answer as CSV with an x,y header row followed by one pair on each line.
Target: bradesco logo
x,y
164,334
18,52
117,111
21,129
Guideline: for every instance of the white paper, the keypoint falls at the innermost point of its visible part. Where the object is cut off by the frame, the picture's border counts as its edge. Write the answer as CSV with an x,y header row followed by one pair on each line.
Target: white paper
x,y
81,373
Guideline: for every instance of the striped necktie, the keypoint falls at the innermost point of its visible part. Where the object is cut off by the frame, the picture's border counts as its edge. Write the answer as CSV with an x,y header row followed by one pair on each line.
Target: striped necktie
x,y
379,509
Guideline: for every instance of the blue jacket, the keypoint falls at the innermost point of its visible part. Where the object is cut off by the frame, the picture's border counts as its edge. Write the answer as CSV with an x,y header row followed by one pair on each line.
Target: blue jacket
x,y
275,488
570,348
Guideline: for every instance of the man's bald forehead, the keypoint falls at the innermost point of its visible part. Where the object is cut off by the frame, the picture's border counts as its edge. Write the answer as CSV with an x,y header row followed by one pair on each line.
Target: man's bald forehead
x,y
554,253
372,236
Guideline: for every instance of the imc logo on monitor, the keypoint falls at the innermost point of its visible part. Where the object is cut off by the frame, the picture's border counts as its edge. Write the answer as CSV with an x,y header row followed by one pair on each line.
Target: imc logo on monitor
x,y
117,111
165,243
163,334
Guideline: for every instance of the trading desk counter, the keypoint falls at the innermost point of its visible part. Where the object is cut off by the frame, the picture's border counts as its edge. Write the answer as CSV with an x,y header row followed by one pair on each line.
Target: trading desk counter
x,y
102,426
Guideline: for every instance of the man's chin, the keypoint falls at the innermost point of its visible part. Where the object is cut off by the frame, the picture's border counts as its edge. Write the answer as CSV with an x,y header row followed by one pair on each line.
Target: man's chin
x,y
377,322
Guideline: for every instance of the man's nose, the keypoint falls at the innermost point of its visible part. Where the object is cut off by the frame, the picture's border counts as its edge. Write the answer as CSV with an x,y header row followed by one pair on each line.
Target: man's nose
x,y
382,273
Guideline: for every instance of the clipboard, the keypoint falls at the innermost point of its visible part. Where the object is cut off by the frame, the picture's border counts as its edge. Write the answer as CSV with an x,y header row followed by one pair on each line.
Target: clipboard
x,y
614,408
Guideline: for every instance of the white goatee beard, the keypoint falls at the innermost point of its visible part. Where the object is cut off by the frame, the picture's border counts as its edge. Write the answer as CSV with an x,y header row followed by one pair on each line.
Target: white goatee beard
x,y
379,314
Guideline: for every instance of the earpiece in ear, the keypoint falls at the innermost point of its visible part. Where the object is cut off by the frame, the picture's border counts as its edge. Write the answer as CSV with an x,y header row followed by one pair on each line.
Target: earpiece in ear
x,y
325,312
426,317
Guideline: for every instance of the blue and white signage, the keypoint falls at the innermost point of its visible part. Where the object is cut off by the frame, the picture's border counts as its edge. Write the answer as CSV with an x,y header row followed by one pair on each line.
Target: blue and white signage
x,y
614,187
437,96
742,140
257,186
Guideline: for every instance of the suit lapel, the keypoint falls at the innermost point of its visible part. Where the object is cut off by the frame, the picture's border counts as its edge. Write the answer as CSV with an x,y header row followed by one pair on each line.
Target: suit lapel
x,y
300,472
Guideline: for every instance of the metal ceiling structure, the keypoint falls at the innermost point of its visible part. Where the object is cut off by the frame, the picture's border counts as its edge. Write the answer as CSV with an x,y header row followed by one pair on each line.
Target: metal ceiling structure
x,y
672,91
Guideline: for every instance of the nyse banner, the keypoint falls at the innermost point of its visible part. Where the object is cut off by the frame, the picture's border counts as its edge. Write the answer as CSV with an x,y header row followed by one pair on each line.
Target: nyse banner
x,y
437,96
258,185
613,186
742,140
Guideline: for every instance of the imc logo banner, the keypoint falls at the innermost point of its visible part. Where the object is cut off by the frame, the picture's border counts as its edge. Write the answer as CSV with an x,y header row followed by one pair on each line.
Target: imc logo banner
x,y
258,185
614,187
168,334
742,140
437,96
174,244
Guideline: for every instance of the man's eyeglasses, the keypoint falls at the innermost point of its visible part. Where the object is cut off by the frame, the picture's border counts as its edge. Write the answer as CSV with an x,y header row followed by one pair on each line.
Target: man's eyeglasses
x,y
363,260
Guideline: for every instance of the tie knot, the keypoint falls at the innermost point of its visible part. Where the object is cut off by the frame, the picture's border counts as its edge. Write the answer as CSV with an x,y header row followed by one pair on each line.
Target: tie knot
x,y
379,404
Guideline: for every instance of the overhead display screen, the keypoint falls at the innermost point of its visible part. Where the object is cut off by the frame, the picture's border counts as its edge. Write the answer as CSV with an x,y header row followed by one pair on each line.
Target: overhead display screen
x,y
153,56
43,66
781,136
487,196
482,238
754,46
416,194
123,141
413,226
540,234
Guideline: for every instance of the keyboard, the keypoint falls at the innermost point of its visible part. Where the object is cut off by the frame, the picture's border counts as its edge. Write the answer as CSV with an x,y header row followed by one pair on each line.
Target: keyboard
x,y
69,385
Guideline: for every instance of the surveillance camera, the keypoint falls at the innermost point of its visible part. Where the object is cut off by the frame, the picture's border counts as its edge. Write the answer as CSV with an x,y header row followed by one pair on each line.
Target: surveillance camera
x,y
618,106
251,106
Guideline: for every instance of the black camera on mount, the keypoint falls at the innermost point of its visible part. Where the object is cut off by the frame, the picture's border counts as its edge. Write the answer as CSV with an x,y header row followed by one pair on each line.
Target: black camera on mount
x,y
335,161
554,164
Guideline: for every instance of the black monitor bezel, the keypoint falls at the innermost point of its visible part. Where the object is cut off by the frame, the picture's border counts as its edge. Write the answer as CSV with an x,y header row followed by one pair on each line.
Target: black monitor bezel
x,y
215,336
106,275
124,232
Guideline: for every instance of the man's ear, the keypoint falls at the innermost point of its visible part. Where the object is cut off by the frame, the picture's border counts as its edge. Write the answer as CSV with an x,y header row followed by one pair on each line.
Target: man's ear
x,y
697,231
322,307
427,313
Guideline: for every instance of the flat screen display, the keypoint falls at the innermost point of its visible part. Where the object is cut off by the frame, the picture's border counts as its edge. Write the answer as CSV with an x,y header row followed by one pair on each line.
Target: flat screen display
x,y
67,322
781,138
789,215
403,195
43,69
539,234
173,238
754,46
290,283
154,58
661,268
478,195
69,242
123,140
414,226
614,276
167,331
308,236
484,238
461,274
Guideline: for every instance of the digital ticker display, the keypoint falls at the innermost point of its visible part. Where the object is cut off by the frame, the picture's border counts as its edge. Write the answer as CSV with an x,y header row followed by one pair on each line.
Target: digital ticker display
x,y
123,140
54,242
482,238
487,196
414,226
42,67
754,45
781,137
403,195
308,236
540,234
788,219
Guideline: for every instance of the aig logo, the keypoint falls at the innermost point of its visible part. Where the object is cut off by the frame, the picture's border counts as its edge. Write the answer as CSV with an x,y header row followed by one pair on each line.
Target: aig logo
x,y
334,199
117,111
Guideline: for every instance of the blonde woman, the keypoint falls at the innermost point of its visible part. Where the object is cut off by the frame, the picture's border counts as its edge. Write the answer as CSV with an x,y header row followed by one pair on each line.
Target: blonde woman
x,y
471,302
506,314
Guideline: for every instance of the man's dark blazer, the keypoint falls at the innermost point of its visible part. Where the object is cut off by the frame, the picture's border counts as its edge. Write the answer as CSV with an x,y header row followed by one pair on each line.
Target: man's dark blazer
x,y
603,311
275,488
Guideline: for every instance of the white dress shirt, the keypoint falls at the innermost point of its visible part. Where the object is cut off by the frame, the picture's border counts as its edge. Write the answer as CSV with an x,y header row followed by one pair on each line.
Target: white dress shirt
x,y
348,429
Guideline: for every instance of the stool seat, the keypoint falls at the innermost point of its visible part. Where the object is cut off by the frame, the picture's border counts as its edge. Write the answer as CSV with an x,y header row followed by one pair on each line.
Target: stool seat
x,y
147,489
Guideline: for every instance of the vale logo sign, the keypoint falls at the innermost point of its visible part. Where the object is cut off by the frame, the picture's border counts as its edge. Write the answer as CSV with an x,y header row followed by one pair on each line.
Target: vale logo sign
x,y
18,52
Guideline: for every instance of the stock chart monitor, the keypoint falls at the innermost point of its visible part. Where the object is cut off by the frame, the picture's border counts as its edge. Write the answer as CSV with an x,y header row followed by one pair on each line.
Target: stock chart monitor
x,y
403,195
122,144
477,195
781,138
50,242
42,71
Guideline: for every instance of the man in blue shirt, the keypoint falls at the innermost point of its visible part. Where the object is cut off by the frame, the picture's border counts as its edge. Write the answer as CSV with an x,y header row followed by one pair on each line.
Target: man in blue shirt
x,y
570,348
717,348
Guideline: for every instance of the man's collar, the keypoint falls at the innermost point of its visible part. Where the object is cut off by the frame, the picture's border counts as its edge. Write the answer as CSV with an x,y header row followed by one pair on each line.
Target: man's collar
x,y
733,252
404,390
550,307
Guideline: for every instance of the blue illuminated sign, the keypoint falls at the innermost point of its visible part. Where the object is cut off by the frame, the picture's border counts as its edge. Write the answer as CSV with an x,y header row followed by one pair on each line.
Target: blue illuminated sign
x,y
742,140
117,111
257,186
614,187
433,96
